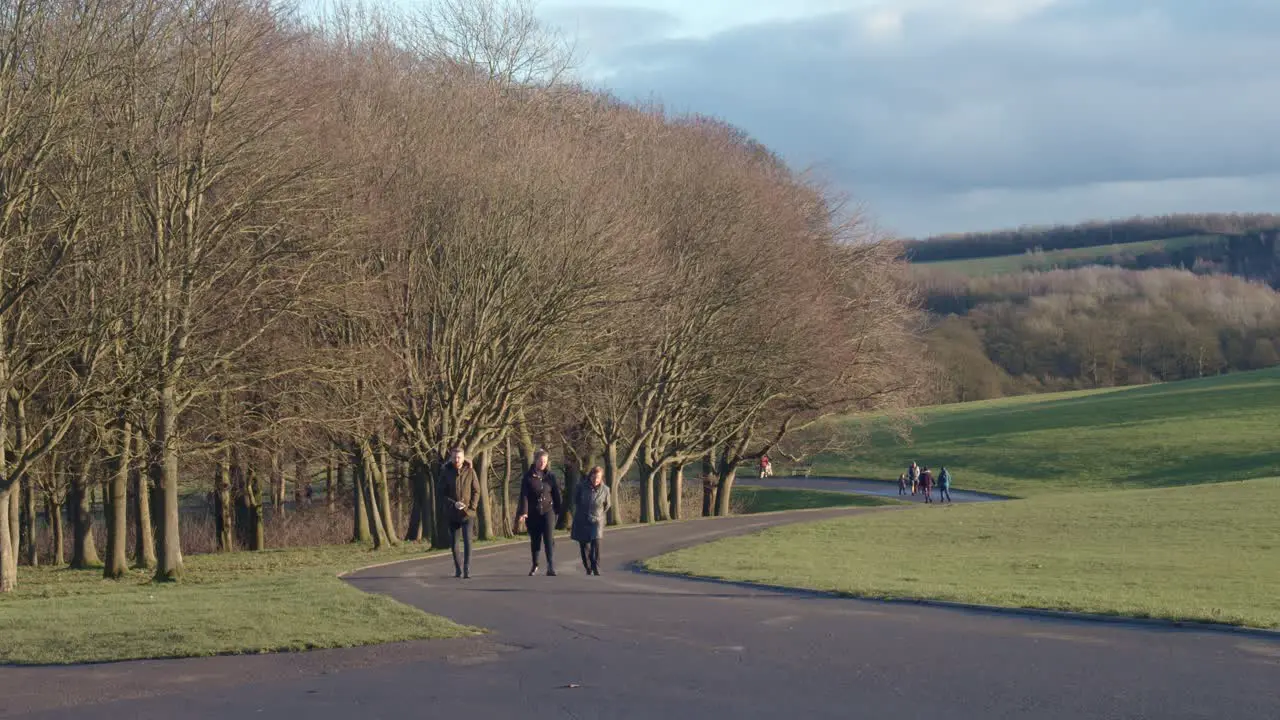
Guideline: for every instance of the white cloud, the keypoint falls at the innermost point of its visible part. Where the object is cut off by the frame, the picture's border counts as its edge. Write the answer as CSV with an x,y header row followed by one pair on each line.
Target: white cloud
x,y
949,115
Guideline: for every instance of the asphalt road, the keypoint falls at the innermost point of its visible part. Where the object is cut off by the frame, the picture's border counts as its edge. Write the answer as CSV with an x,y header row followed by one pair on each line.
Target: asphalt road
x,y
631,645
862,487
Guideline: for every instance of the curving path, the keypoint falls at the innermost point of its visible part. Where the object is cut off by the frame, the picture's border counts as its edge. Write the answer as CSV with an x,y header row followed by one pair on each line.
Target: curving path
x,y
861,487
631,645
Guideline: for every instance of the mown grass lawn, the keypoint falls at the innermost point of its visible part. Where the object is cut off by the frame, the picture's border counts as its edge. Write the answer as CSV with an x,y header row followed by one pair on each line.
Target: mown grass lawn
x,y
1213,430
749,500
237,603
1207,553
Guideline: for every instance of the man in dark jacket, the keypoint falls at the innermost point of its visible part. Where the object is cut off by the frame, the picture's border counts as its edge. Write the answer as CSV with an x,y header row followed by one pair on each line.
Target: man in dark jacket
x,y
539,507
459,493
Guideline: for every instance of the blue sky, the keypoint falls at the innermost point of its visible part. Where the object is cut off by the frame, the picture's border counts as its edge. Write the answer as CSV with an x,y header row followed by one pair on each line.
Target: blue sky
x,y
954,115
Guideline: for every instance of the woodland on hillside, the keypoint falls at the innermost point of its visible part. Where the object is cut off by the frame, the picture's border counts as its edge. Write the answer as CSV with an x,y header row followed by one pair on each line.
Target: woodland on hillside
x,y
1100,232
1093,327
240,244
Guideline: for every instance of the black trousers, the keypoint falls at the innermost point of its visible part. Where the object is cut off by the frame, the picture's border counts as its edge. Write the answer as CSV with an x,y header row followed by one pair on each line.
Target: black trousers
x,y
590,550
542,534
465,531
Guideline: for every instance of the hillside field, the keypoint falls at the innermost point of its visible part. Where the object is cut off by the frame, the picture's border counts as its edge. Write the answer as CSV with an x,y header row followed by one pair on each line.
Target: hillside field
x,y
1200,431
1205,553
1074,257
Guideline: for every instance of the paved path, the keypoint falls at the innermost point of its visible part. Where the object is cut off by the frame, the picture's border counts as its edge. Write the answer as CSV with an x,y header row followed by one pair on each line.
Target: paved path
x,y
630,645
862,487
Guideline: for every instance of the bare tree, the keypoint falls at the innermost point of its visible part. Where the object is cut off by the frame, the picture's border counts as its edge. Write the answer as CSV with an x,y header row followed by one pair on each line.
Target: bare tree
x,y
499,40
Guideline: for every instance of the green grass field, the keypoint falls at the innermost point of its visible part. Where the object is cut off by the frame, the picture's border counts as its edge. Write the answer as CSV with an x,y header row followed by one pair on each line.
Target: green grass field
x,y
1206,553
1074,257
1201,431
237,603
749,500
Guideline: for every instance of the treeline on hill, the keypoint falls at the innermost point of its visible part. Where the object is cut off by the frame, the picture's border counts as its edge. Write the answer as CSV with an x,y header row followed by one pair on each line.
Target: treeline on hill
x,y
237,243
1093,327
1063,237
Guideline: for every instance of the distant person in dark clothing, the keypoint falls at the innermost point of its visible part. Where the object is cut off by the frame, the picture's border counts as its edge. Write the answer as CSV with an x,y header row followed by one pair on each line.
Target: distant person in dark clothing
x,y
926,484
460,496
539,507
944,485
591,502
902,484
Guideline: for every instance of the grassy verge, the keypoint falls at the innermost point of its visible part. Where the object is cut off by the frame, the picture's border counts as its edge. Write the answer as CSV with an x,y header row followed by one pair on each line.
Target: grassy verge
x,y
1207,553
761,500
1212,430
239,603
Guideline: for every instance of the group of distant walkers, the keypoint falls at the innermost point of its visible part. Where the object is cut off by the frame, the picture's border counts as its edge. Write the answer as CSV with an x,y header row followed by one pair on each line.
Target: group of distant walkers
x,y
920,480
539,505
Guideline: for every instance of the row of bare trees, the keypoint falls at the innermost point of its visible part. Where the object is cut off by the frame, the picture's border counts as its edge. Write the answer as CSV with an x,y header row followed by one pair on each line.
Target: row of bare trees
x,y
237,241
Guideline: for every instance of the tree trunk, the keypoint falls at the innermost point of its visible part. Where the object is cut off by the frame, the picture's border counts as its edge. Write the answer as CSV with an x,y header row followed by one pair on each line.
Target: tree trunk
x,y
169,545
84,554
223,506
662,493
418,479
8,553
301,481
677,491
572,476
276,482
359,517
255,533
724,488
505,489
144,552
330,490
611,478
381,474
30,516
484,511
14,522
439,522
708,487
118,520
647,488
367,481
53,509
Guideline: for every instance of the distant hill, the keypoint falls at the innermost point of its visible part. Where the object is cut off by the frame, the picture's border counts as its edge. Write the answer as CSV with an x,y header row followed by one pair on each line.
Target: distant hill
x,y
1239,244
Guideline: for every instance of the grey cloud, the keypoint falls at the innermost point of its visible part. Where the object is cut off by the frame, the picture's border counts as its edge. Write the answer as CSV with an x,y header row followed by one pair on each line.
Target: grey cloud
x,y
1085,93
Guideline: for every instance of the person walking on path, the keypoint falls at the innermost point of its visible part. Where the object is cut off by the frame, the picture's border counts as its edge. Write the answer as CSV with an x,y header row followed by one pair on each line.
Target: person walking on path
x,y
926,484
902,484
591,502
766,467
539,507
460,495
913,475
944,485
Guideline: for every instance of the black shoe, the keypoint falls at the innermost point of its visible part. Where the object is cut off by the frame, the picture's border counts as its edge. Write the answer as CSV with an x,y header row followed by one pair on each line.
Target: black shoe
x,y
594,571
551,572
533,571
457,573
466,575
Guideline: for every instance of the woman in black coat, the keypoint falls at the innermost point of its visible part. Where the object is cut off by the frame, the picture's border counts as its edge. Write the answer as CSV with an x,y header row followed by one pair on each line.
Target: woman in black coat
x,y
590,503
539,507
